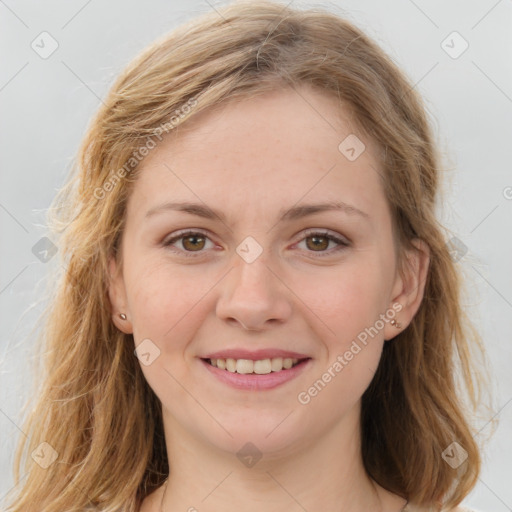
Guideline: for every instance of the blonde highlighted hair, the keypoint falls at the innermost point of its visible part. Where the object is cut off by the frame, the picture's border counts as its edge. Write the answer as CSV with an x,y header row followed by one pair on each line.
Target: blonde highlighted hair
x,y
94,406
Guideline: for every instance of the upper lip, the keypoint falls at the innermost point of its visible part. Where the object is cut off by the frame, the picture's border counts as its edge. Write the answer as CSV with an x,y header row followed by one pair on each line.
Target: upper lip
x,y
254,355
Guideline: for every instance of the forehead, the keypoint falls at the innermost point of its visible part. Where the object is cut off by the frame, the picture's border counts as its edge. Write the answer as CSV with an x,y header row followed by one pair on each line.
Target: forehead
x,y
263,153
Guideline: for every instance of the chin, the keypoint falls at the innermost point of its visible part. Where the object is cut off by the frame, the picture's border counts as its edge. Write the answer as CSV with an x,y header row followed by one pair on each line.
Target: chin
x,y
272,435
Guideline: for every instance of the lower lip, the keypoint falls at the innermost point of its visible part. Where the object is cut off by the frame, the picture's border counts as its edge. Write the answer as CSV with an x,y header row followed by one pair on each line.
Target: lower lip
x,y
256,382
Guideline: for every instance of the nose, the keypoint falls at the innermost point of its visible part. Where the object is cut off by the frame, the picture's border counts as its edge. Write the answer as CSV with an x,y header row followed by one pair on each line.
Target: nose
x,y
254,296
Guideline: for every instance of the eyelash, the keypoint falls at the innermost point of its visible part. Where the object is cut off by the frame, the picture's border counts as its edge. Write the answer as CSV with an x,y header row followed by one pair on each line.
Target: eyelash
x,y
343,244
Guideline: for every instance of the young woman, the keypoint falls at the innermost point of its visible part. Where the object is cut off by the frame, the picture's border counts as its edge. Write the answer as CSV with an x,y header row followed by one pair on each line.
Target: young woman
x,y
259,310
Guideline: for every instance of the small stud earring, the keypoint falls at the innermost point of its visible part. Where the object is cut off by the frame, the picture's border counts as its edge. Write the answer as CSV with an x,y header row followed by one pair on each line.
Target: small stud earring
x,y
395,323
123,316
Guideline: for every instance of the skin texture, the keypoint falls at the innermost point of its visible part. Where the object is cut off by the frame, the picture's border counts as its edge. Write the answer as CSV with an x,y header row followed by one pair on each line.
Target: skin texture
x,y
250,159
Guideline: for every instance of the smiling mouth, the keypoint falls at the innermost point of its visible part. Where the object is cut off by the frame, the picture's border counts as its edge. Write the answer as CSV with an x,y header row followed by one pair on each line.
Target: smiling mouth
x,y
258,367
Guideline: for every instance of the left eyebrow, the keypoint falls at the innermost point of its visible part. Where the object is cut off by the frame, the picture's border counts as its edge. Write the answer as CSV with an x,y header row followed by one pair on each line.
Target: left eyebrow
x,y
293,213
298,212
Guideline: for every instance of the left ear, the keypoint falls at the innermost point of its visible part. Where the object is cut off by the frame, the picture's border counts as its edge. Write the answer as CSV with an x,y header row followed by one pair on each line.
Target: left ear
x,y
409,287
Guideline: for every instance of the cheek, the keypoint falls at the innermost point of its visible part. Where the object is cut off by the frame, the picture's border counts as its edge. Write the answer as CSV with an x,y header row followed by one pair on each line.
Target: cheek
x,y
163,299
348,298
331,394
168,308
350,302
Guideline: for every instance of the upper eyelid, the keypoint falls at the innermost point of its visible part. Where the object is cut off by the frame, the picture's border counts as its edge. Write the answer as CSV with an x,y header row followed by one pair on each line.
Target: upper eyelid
x,y
303,234
306,231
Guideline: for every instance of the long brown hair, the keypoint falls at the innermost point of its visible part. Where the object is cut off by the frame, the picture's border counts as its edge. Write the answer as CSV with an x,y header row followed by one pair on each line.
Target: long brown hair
x,y
94,407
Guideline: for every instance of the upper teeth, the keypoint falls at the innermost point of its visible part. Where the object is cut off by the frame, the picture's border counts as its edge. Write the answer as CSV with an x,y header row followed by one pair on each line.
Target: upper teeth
x,y
260,366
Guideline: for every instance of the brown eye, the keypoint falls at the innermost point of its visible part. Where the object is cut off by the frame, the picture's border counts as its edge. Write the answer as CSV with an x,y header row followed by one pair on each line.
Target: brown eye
x,y
193,242
188,243
317,242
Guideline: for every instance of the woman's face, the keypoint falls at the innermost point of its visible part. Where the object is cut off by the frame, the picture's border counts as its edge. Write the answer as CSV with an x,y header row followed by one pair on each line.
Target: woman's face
x,y
261,280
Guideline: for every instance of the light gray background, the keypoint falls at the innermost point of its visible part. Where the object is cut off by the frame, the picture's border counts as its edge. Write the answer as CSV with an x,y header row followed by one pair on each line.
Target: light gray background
x,y
46,105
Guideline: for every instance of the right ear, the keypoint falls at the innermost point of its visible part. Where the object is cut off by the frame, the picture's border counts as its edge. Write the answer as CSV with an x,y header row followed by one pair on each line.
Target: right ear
x,y
118,299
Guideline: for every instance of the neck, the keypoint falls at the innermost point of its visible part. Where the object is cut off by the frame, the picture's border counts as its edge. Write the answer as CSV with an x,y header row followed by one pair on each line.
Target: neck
x,y
324,474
